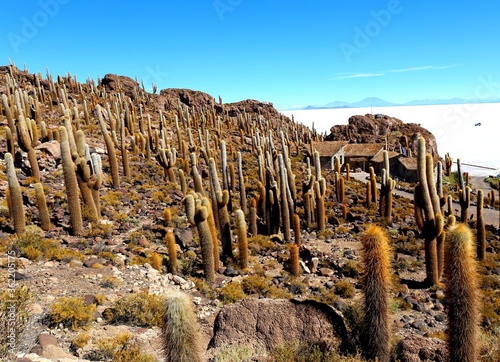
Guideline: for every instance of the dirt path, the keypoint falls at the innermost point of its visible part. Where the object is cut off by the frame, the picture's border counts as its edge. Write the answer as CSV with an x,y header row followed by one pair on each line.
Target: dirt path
x,y
491,216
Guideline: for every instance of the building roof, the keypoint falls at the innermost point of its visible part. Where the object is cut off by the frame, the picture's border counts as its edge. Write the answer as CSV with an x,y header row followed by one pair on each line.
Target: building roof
x,y
362,149
379,157
328,148
410,163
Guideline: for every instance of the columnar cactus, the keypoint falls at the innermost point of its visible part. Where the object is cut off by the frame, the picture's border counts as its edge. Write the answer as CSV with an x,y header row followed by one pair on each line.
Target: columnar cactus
x,y
294,259
71,183
222,199
448,161
481,232
43,211
462,293
243,193
85,178
172,252
241,228
167,159
463,194
296,229
285,212
113,163
198,215
253,216
376,284
205,201
428,215
319,191
180,332
16,208
373,181
368,202
386,187
26,140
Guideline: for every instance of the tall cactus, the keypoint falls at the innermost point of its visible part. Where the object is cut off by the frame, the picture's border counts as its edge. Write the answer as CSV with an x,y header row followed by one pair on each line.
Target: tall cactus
x,y
285,212
241,228
481,232
113,163
172,252
222,200
319,191
386,187
43,210
428,215
243,193
15,196
462,294
71,183
376,284
463,194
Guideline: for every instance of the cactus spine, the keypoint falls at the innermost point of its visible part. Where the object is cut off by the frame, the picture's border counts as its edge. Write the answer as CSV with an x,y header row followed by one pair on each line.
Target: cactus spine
x,y
481,232
180,332
376,284
462,294
427,211
15,196
241,227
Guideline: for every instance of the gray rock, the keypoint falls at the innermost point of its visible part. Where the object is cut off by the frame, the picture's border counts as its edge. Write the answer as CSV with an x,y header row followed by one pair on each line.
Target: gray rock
x,y
415,348
267,323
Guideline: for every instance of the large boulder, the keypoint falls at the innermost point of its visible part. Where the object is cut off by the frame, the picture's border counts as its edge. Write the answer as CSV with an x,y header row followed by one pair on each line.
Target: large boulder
x,y
120,83
415,348
264,324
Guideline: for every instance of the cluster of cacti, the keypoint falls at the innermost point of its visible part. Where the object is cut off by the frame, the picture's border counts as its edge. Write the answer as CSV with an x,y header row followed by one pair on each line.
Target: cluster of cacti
x,y
428,215
198,215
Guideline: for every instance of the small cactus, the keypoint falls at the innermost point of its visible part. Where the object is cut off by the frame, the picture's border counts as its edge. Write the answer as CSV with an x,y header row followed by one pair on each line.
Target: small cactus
x,y
180,332
294,259
172,252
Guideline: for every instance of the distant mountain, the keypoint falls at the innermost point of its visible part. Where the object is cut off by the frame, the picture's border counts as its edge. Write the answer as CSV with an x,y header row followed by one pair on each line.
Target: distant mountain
x,y
377,102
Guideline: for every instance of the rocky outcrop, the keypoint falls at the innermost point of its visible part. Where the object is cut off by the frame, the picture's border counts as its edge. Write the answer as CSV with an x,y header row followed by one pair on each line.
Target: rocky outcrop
x,y
415,348
267,323
121,83
374,128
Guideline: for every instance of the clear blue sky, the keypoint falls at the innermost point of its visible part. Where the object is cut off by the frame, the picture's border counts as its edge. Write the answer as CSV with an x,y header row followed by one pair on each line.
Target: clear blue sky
x,y
291,53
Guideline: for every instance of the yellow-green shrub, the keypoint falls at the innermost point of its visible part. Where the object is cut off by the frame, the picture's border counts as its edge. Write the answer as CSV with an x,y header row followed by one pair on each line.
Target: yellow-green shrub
x,y
72,312
139,309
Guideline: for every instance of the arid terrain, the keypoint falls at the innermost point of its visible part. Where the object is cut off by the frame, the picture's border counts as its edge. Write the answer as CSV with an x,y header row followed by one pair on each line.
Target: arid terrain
x,y
92,287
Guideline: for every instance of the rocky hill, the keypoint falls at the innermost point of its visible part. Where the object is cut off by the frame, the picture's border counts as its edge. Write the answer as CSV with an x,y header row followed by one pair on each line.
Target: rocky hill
x,y
113,200
377,128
